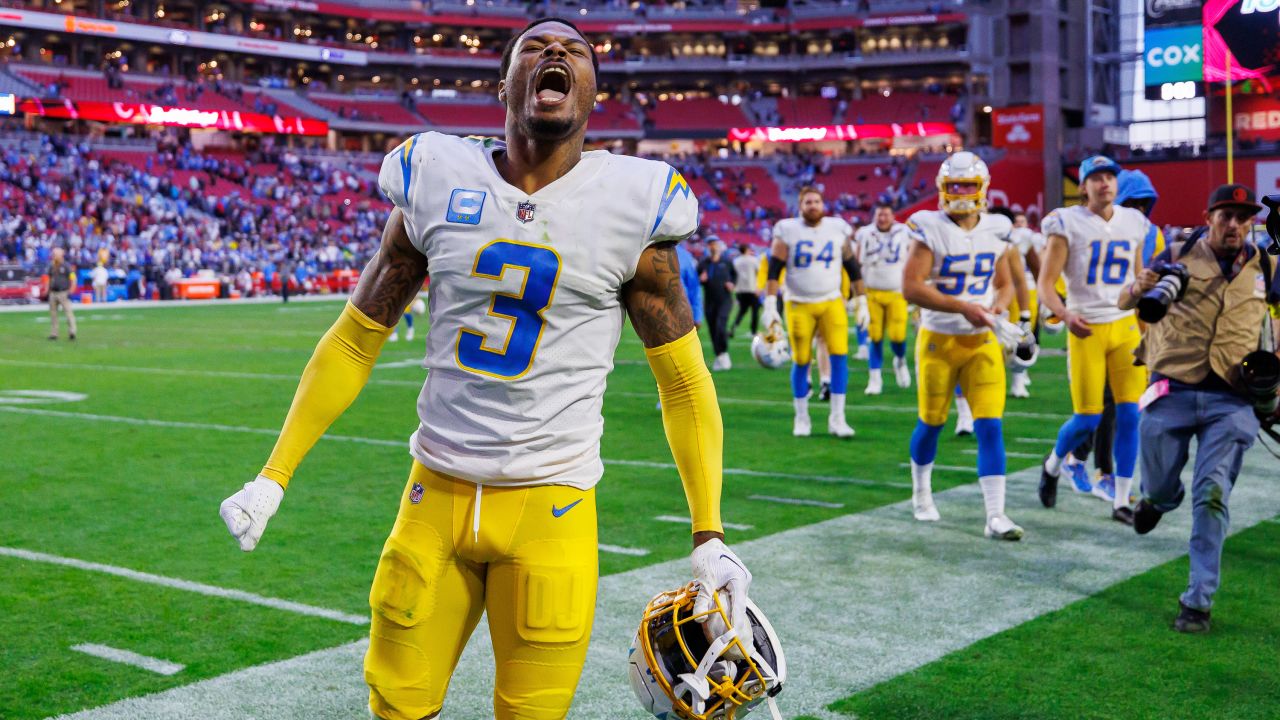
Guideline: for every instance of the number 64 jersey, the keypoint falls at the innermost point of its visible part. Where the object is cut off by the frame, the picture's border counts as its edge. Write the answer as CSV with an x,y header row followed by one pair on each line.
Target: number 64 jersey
x,y
964,263
525,301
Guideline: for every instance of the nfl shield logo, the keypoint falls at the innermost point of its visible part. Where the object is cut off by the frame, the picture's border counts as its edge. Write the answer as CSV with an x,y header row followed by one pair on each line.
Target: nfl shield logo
x,y
415,494
524,211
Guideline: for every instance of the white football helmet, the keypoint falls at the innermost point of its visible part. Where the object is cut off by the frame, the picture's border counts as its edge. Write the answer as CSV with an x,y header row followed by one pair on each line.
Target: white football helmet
x,y
677,672
770,348
963,167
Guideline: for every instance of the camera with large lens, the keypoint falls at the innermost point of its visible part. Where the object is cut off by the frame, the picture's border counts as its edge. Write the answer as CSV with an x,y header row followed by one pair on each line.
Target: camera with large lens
x,y
1260,376
1169,289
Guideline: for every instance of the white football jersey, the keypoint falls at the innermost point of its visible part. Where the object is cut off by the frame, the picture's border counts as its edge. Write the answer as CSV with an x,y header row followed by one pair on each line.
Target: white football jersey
x,y
1101,258
815,257
964,263
883,255
525,301
1026,240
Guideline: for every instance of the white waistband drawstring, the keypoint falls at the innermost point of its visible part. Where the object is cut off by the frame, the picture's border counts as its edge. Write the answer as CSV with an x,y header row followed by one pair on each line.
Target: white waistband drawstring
x,y
475,515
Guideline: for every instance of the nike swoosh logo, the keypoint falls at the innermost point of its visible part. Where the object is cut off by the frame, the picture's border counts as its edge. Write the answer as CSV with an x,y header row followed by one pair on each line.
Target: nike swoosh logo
x,y
557,512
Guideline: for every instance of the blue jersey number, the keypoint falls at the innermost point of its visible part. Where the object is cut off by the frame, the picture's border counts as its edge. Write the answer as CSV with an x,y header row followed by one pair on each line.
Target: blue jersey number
x,y
805,256
524,310
1114,269
984,266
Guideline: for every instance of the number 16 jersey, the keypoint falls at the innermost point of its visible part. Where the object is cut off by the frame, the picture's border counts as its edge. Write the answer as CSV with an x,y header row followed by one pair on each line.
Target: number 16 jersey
x,y
525,301
1101,257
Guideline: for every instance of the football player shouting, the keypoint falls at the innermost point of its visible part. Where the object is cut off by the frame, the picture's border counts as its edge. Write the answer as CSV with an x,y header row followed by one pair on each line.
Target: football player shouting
x,y
534,249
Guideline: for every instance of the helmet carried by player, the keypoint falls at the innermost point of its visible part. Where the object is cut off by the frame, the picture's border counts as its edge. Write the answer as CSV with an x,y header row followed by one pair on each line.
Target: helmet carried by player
x,y
770,348
963,167
676,671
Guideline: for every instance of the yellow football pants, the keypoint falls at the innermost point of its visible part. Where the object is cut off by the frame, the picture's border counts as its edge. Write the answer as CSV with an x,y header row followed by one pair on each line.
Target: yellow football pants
x,y
976,362
532,565
888,311
803,319
1034,298
1105,357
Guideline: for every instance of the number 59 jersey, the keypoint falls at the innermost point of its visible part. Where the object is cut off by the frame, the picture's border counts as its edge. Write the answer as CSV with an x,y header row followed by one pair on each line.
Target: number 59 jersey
x,y
964,264
815,257
525,301
1101,257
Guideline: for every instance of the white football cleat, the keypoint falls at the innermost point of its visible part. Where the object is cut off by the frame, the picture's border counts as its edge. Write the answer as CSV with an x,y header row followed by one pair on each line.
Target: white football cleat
x,y
839,427
901,373
395,336
874,384
1018,388
1000,527
408,335
863,353
925,510
722,362
802,427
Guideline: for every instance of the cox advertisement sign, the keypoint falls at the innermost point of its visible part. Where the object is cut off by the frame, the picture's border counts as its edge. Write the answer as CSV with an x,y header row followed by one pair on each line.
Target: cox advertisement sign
x,y
1173,55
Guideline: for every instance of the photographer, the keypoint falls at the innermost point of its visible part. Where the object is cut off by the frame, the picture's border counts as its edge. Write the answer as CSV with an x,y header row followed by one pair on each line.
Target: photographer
x,y
1207,299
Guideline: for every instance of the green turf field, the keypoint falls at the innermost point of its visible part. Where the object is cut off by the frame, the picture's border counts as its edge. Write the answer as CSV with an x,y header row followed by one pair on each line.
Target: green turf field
x,y
181,406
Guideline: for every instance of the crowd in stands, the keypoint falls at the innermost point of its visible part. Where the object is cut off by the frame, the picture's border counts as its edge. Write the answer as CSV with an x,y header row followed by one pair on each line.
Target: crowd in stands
x,y
233,216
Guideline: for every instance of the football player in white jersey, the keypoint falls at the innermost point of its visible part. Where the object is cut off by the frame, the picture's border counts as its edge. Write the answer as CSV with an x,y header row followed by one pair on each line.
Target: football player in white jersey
x,y
1030,245
535,248
959,274
1097,248
881,249
815,250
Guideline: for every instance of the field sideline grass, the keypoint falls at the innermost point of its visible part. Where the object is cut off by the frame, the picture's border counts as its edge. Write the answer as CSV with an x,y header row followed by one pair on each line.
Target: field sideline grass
x,y
145,497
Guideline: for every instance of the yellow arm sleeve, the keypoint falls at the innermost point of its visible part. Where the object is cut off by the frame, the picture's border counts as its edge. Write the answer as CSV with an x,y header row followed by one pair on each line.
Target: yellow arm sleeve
x,y
691,418
338,370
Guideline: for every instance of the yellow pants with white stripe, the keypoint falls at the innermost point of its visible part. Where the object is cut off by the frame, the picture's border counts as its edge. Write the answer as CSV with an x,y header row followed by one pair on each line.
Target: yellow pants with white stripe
x,y
888,313
976,362
1105,357
804,319
530,563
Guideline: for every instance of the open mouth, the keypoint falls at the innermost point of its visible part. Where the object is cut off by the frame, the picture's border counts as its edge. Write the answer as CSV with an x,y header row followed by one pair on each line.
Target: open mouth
x,y
552,84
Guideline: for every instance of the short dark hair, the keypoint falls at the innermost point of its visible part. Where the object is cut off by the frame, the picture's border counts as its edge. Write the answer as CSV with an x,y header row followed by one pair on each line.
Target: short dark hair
x,y
881,204
514,40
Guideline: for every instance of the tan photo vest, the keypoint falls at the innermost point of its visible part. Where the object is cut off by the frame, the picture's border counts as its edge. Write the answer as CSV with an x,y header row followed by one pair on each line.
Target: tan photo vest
x,y
1215,324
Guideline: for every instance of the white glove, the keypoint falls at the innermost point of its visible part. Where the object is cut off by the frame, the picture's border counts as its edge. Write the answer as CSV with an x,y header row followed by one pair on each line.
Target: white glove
x,y
1009,335
246,513
716,568
1028,334
861,314
770,314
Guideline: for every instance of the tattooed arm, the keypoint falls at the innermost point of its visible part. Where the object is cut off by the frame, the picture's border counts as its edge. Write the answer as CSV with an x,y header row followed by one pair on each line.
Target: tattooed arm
x,y
655,298
392,277
662,318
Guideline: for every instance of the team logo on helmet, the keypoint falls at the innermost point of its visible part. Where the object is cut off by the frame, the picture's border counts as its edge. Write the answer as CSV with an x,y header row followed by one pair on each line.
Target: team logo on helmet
x,y
963,167
770,348
677,671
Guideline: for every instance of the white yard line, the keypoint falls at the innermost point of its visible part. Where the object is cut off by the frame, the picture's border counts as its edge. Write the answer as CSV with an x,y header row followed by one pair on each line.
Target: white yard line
x,y
183,425
187,585
619,550
949,468
796,501
183,372
125,657
685,521
894,594
1036,441
1008,453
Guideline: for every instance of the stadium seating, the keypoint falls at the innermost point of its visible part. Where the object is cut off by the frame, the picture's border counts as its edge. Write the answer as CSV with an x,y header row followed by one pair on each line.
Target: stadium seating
x,y
697,114
378,109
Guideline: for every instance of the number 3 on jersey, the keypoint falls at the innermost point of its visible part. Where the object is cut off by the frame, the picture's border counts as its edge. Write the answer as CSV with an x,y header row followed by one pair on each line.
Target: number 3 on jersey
x,y
524,309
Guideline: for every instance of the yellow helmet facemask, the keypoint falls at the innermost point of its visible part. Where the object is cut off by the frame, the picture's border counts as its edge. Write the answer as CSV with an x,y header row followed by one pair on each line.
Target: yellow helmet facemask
x,y
963,167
